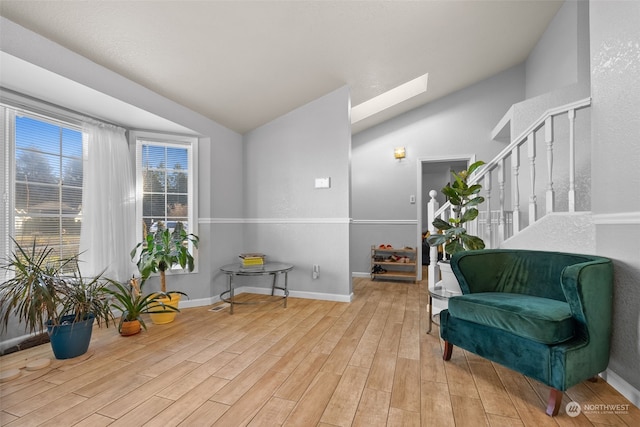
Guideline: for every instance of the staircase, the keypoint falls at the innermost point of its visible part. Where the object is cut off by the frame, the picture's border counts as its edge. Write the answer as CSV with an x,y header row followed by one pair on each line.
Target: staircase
x,y
541,199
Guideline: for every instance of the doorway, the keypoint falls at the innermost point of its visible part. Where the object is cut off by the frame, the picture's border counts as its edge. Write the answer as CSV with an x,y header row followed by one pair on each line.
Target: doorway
x,y
433,174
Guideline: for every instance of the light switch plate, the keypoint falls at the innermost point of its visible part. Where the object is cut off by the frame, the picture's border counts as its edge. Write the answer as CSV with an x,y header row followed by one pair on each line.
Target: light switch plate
x,y
323,183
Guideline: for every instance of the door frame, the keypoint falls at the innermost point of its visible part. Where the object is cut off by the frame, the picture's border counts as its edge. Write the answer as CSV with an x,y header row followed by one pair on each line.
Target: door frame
x,y
469,158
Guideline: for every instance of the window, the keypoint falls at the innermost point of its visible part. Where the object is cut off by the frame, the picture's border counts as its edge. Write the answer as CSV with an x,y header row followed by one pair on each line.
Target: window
x,y
43,183
165,182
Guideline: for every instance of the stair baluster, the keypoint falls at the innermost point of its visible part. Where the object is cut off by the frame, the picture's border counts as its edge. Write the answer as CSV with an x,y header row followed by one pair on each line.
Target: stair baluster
x,y
502,232
548,136
487,204
572,161
531,147
515,165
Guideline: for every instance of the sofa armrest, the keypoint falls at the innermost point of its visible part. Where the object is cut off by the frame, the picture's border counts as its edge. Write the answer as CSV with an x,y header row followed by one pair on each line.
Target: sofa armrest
x,y
588,289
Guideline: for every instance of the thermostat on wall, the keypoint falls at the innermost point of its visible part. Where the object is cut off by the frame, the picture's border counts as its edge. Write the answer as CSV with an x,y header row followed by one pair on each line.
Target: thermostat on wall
x,y
323,183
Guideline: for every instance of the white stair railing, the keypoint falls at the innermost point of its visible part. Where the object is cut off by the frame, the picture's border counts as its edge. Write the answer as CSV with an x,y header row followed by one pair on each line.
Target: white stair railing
x,y
495,226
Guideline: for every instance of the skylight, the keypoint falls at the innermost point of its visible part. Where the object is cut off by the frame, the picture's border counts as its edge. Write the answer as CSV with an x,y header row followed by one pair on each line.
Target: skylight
x,y
390,98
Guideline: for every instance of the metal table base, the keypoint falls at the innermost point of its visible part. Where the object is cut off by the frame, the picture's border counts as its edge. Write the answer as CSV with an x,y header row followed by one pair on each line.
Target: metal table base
x,y
275,269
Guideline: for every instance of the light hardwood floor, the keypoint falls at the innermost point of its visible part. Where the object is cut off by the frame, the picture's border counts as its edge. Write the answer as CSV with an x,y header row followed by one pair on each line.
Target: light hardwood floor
x,y
316,363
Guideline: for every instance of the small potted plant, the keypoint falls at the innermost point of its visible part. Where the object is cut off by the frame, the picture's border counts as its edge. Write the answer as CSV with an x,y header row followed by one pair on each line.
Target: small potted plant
x,y
129,300
45,292
452,234
159,252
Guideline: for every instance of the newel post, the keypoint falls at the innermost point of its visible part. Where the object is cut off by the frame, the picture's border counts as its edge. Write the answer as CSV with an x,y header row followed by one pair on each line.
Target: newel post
x,y
434,270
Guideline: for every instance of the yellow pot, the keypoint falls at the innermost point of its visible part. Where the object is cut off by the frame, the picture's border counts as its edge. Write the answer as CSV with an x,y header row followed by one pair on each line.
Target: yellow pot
x,y
163,318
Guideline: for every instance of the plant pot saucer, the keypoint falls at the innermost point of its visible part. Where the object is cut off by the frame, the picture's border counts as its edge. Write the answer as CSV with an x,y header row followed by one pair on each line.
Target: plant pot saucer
x,y
37,364
9,374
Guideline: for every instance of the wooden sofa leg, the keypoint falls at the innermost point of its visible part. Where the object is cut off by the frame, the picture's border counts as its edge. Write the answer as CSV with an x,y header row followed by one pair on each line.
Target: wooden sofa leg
x,y
448,349
553,405
593,379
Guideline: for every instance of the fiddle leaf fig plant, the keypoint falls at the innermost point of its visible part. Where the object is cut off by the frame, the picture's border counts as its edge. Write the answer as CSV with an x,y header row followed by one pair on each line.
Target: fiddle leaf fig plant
x,y
463,198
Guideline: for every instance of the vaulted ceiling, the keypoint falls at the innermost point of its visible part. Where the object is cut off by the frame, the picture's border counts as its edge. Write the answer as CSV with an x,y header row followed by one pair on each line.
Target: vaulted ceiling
x,y
244,63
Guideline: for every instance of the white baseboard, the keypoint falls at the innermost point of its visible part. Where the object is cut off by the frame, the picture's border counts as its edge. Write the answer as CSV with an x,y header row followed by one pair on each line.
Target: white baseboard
x,y
323,297
623,387
187,303
360,274
14,341
190,303
297,294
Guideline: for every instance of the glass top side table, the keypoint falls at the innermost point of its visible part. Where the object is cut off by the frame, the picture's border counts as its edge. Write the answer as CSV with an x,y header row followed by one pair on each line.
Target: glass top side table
x,y
275,269
439,293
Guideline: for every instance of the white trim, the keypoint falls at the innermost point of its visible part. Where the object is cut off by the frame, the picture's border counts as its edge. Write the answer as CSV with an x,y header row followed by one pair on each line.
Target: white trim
x,y
619,218
221,221
361,274
186,303
4,345
623,387
385,221
320,296
274,220
200,302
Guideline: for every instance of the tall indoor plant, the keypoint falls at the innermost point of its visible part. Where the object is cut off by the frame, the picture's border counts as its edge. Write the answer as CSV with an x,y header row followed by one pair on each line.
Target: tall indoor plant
x,y
159,252
45,292
464,199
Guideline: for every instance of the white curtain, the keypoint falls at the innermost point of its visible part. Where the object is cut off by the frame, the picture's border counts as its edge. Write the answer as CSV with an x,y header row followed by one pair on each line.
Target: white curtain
x,y
108,203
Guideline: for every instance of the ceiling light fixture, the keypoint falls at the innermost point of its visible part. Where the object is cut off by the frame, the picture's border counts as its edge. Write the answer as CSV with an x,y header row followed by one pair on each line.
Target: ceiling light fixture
x,y
390,98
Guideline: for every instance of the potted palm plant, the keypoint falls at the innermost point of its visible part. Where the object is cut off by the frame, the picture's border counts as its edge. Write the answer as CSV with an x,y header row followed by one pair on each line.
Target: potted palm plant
x,y
159,252
464,199
44,292
129,300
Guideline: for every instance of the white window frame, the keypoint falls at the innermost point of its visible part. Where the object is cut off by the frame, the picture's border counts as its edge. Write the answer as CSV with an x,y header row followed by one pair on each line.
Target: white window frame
x,y
136,140
17,105
7,153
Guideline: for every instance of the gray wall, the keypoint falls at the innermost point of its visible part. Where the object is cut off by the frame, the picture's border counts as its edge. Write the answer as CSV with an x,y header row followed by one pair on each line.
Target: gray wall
x,y
561,56
288,219
458,125
552,64
615,88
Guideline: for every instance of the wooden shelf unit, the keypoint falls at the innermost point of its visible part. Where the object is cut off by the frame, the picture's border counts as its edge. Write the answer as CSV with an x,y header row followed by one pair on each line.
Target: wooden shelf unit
x,y
395,270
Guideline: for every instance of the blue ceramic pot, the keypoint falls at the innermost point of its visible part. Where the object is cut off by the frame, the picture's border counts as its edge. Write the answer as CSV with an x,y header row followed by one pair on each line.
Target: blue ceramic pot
x,y
70,339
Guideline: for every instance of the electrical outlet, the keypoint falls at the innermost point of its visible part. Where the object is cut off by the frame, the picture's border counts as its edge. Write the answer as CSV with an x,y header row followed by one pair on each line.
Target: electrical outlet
x,y
316,271
412,199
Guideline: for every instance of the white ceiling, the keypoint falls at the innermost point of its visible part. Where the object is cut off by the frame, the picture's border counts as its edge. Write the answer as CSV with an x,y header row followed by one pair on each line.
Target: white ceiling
x,y
245,63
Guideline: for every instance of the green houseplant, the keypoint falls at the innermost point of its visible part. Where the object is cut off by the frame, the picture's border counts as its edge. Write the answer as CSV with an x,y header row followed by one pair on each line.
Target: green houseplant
x,y
159,252
47,293
463,198
129,300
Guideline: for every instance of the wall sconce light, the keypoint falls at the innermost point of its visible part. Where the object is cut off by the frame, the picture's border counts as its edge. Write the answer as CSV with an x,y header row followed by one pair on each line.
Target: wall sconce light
x,y
399,153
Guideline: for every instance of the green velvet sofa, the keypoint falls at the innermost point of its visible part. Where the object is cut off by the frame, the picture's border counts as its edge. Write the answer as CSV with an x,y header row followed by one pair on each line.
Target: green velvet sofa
x,y
546,315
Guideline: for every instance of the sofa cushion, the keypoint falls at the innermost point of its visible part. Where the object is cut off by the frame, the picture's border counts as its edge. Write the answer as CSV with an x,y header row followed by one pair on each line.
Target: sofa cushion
x,y
544,320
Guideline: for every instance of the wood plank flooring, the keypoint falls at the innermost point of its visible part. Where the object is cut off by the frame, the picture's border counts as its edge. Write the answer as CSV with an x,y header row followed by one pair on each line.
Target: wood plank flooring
x,y
316,363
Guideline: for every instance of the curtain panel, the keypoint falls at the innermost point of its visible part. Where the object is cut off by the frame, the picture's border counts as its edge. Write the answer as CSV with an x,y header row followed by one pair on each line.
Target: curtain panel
x,y
108,203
